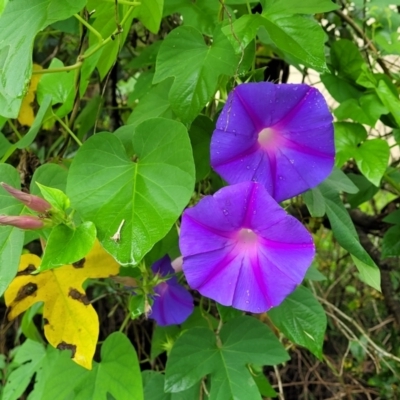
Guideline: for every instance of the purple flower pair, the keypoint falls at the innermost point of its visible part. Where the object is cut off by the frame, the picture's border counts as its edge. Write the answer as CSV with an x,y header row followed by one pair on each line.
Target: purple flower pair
x,y
239,247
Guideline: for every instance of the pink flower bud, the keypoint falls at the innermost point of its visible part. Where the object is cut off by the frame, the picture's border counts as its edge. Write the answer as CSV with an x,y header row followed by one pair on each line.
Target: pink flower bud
x,y
177,264
35,203
22,222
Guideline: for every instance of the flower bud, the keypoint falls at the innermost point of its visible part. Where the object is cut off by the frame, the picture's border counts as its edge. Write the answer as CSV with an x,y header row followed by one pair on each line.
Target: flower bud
x,y
22,222
35,203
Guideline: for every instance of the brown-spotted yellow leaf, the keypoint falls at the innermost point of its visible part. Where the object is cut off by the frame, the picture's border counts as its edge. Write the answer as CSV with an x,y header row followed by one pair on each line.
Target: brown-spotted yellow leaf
x,y
71,323
26,114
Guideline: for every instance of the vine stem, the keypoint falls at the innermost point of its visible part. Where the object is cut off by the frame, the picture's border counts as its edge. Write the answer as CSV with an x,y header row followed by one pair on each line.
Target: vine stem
x,y
89,27
103,42
378,349
124,322
363,36
15,130
66,127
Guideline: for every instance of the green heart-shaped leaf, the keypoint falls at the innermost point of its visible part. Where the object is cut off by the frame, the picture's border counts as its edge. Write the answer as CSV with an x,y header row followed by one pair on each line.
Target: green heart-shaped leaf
x,y
143,196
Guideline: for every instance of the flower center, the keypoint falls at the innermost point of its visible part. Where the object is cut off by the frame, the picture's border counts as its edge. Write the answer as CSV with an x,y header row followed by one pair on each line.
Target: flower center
x,y
266,137
247,237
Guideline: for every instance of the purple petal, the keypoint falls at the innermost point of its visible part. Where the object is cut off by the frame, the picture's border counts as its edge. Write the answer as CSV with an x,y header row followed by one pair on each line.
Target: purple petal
x,y
173,303
278,135
163,266
241,249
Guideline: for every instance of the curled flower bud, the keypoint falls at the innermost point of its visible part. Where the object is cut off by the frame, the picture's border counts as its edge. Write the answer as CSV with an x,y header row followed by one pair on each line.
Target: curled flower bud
x,y
173,303
35,203
22,222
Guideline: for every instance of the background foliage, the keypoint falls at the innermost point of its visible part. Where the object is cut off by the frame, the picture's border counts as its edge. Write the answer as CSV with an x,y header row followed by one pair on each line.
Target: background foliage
x,y
87,87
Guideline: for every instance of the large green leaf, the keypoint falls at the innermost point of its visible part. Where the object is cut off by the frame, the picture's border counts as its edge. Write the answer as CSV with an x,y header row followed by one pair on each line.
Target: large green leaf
x,y
296,35
146,196
118,373
195,66
57,376
371,156
19,24
11,239
29,358
198,352
302,319
346,59
303,7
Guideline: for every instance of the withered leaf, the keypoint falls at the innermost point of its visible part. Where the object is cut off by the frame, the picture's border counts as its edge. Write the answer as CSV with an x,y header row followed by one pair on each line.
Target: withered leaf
x,y
71,321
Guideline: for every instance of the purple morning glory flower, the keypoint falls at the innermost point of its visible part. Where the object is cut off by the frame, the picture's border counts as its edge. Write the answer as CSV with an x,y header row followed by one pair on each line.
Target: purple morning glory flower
x,y
242,249
173,303
278,135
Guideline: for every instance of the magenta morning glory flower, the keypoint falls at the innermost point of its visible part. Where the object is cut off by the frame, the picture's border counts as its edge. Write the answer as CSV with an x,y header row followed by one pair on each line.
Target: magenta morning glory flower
x,y
172,303
242,249
278,135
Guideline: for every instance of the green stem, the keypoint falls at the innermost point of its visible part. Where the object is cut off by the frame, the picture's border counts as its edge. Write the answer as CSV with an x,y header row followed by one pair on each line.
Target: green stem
x,y
66,127
61,69
15,130
81,58
89,27
248,7
117,31
125,322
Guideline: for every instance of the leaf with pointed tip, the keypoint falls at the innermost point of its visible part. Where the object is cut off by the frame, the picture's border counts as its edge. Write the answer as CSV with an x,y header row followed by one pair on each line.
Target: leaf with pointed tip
x,y
66,245
195,66
243,340
143,197
297,35
302,320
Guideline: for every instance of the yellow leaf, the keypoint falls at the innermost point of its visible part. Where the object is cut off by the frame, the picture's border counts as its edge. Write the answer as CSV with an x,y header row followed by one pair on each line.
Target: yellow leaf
x,y
70,320
26,115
